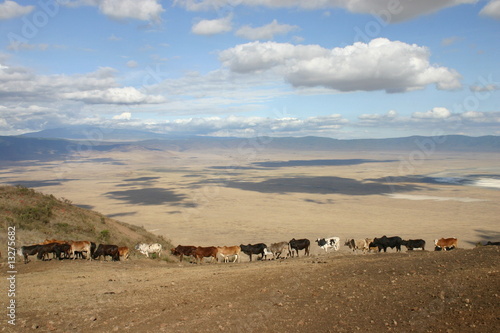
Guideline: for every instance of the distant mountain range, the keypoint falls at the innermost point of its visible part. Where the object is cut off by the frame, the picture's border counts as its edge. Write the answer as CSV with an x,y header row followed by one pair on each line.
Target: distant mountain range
x,y
58,144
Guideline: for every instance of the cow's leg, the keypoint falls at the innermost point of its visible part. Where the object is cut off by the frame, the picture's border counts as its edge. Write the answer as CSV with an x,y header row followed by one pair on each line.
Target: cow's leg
x,y
180,258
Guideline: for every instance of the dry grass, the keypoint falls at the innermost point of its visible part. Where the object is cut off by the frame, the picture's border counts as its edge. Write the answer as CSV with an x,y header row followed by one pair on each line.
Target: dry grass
x,y
39,216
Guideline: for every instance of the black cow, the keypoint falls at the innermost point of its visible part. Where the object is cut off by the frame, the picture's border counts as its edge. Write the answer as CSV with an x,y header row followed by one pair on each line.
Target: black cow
x,y
493,243
65,249
45,249
439,248
254,249
29,250
412,244
299,244
107,250
384,242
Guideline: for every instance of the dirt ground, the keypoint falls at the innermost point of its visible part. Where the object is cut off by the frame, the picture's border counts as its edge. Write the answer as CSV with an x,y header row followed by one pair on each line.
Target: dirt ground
x,y
419,291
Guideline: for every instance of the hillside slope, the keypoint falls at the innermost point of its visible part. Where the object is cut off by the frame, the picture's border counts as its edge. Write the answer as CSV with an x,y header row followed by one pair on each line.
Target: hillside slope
x,y
39,216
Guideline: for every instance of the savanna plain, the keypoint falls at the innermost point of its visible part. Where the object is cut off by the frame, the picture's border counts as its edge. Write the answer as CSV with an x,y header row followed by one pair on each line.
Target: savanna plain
x,y
250,195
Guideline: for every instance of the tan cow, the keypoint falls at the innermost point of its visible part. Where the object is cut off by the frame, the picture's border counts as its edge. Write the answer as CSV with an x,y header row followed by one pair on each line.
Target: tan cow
x,y
446,243
357,244
124,252
226,251
80,246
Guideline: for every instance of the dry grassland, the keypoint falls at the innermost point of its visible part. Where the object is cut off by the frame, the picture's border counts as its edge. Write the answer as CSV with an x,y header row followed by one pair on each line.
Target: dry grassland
x,y
230,197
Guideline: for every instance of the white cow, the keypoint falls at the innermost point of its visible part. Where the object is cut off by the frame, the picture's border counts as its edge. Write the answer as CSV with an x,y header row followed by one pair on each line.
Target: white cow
x,y
149,248
332,242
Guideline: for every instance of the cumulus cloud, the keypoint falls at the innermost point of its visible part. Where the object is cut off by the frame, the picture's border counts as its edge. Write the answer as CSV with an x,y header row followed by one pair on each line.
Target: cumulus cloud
x,y
212,27
492,9
484,88
438,119
123,116
434,113
19,84
267,31
11,9
253,126
144,10
381,64
132,64
388,10
126,95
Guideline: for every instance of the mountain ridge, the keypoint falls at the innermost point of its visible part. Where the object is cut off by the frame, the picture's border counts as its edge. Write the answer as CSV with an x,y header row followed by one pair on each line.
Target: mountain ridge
x,y
31,147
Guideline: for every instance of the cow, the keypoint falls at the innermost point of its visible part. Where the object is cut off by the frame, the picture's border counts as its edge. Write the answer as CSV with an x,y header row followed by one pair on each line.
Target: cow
x,y
107,250
371,246
493,243
55,248
446,243
278,249
412,244
437,248
357,244
81,246
201,252
299,244
45,249
250,249
183,250
149,248
29,250
124,252
326,243
266,254
384,242
227,251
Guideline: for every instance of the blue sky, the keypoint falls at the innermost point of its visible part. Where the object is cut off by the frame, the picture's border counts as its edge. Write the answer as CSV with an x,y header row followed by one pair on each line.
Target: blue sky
x,y
336,68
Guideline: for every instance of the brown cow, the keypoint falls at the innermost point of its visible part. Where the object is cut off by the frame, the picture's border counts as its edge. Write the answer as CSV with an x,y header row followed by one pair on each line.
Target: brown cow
x,y
202,252
124,252
81,246
226,251
446,243
183,250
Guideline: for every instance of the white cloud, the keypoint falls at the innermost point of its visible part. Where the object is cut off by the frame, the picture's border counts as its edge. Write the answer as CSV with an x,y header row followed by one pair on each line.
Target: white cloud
x,y
492,9
434,113
488,87
123,116
381,64
388,10
253,126
11,9
132,64
126,95
18,84
212,27
267,31
144,10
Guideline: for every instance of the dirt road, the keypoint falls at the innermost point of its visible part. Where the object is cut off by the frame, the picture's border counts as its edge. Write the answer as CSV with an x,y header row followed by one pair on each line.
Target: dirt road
x,y
456,291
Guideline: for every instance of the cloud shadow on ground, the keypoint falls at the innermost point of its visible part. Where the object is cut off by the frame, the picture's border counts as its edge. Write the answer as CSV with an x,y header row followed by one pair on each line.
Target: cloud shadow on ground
x,y
485,236
329,162
300,163
121,214
149,196
39,183
319,185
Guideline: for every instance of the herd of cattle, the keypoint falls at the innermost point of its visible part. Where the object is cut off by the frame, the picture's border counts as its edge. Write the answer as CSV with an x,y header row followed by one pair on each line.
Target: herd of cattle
x,y
88,250
84,249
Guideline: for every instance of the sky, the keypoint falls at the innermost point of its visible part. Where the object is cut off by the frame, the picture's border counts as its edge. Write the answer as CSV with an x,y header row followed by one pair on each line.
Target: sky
x,y
343,69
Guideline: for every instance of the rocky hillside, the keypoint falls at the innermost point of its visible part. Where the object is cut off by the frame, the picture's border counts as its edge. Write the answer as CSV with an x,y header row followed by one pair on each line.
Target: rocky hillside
x,y
39,216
